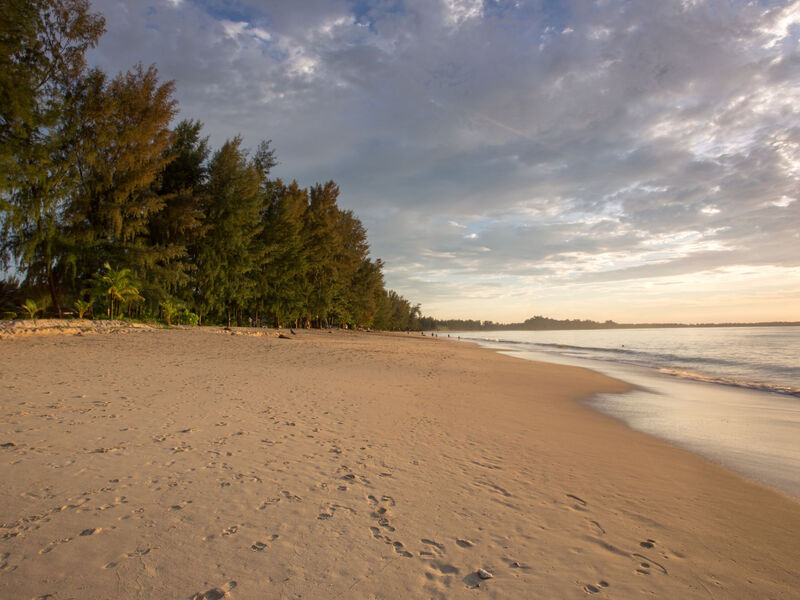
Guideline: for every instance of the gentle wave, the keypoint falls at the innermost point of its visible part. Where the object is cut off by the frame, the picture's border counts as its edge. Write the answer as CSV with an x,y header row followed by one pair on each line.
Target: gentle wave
x,y
638,354
649,358
697,362
750,385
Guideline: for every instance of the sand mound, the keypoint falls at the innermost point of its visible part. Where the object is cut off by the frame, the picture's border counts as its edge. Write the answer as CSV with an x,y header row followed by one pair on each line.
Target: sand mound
x,y
29,327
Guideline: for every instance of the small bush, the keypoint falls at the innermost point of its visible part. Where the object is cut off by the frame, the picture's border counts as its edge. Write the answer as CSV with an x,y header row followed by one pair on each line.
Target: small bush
x,y
187,317
82,307
169,309
31,307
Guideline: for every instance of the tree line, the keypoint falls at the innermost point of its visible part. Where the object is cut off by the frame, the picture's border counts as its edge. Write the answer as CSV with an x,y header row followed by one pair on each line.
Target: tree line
x,y
540,323
535,323
107,208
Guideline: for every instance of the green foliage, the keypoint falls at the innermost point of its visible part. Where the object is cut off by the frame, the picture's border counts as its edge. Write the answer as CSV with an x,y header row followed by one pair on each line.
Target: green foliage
x,y
187,317
397,314
42,50
176,229
122,149
169,309
229,254
116,288
9,295
32,308
82,307
281,282
93,176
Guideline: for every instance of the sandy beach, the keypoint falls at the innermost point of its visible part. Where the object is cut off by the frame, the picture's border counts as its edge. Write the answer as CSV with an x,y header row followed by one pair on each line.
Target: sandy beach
x,y
195,464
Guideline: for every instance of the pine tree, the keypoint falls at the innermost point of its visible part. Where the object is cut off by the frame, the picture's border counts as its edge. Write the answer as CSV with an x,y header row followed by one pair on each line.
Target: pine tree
x,y
178,227
123,137
228,255
350,252
282,281
42,49
366,292
321,241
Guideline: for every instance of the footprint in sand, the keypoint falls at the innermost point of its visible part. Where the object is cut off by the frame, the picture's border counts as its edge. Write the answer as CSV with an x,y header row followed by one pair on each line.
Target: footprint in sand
x,y
381,513
433,549
51,546
217,593
398,547
646,564
261,546
596,527
445,568
268,502
594,589
579,503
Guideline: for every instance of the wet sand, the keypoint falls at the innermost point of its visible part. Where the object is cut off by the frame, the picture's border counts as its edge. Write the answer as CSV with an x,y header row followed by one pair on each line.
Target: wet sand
x,y
751,432
190,464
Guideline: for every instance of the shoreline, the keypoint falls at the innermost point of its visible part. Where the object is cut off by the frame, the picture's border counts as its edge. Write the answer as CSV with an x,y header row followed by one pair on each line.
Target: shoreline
x,y
558,352
751,432
356,464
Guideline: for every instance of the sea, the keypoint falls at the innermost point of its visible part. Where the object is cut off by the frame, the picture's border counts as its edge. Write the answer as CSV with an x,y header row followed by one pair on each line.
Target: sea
x,y
730,394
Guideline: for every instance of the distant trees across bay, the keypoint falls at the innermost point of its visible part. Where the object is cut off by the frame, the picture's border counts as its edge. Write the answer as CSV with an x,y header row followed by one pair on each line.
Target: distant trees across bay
x,y
97,185
539,323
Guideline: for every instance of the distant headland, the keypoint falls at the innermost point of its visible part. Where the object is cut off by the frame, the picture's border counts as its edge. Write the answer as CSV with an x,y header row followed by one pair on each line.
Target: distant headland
x,y
540,323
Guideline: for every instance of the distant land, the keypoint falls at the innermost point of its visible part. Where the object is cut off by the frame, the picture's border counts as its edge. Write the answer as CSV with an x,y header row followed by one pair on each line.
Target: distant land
x,y
539,323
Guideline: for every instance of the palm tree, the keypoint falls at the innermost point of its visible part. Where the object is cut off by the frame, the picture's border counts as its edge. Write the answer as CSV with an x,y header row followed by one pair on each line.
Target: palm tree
x,y
117,286
170,308
32,308
82,307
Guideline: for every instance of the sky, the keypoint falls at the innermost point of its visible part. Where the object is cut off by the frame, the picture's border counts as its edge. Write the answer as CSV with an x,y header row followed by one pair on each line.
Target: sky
x,y
634,160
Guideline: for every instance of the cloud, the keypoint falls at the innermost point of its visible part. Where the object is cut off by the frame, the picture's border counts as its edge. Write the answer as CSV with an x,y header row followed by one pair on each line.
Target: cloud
x,y
549,143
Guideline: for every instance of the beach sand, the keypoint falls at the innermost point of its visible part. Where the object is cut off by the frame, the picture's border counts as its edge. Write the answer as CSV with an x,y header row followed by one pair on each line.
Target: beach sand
x,y
183,464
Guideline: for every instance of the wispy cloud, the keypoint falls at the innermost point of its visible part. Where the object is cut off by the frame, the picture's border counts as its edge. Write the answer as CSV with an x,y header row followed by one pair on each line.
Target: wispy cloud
x,y
607,143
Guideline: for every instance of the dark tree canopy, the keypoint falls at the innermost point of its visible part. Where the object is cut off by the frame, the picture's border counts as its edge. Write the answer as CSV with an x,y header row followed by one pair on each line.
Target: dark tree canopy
x,y
107,206
42,49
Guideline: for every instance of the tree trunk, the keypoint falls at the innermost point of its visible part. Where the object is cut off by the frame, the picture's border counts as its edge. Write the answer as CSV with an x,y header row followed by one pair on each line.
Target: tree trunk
x,y
51,283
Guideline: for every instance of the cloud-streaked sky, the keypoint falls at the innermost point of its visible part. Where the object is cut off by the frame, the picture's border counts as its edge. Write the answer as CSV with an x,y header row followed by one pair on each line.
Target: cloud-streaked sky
x,y
635,160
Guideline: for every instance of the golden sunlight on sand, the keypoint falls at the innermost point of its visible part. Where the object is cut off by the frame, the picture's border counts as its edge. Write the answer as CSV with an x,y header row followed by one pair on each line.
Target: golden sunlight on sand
x,y
188,464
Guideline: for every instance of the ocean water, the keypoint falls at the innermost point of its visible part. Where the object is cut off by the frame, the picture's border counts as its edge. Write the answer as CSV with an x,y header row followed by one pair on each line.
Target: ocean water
x,y
761,358
730,394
